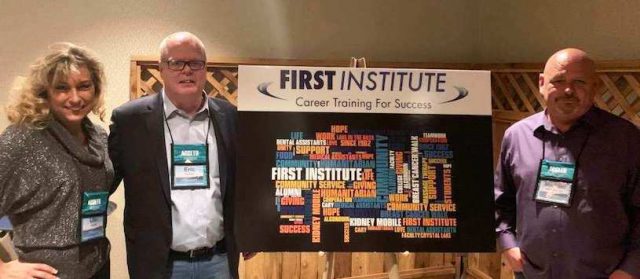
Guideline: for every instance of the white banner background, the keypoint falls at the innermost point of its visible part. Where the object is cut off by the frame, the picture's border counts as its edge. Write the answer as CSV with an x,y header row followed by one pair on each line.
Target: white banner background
x,y
426,100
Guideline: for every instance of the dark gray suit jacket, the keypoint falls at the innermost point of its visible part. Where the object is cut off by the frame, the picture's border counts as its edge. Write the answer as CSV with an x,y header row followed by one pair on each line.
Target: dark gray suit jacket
x,y
137,149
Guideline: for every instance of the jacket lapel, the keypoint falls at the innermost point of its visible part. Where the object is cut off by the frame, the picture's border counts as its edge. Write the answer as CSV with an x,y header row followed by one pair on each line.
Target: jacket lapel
x,y
222,138
155,127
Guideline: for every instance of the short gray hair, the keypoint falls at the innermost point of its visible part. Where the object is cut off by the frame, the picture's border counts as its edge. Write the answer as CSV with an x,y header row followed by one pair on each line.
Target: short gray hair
x,y
180,36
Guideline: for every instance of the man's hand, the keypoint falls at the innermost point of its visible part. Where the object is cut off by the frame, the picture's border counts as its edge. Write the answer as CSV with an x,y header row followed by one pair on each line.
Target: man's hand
x,y
514,258
619,274
18,270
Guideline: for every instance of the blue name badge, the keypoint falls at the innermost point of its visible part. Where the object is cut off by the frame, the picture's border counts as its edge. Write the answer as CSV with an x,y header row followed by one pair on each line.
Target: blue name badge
x,y
189,154
189,166
557,170
555,182
94,203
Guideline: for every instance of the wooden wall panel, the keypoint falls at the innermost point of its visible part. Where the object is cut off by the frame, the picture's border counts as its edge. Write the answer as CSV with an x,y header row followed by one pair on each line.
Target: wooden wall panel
x,y
406,261
422,260
366,263
291,265
343,265
309,265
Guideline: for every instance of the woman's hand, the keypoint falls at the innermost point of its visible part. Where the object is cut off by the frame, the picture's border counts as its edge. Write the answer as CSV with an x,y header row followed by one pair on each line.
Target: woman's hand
x,y
18,270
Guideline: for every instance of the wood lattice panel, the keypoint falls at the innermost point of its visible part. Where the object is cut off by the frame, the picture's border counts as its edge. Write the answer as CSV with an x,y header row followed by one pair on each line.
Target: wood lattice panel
x,y
515,92
620,94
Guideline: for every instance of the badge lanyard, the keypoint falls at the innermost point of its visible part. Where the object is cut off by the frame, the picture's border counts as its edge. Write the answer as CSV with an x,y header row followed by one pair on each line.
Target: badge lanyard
x,y
189,162
556,180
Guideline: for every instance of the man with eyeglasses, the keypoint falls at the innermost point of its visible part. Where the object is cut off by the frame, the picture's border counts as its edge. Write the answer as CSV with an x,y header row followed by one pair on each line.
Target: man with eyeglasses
x,y
175,151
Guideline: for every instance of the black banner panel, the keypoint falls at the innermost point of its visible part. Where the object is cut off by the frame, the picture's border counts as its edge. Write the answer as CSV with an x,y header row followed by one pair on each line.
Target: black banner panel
x,y
364,182
339,159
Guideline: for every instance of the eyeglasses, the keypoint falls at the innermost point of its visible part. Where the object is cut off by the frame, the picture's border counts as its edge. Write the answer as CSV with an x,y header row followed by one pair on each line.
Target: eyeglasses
x,y
178,65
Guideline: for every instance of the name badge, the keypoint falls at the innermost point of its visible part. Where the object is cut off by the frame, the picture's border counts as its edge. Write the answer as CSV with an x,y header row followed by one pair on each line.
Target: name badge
x,y
555,182
189,166
94,203
92,213
92,228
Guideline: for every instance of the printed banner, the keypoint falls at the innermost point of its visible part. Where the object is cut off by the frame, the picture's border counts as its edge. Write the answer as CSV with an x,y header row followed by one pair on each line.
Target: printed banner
x,y
306,89
345,159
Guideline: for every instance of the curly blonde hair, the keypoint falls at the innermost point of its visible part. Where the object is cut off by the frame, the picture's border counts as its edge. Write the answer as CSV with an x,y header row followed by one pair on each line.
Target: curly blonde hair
x,y
29,105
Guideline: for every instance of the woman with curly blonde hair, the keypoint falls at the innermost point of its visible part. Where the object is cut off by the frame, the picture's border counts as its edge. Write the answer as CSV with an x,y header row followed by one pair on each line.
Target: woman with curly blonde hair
x,y
29,105
55,171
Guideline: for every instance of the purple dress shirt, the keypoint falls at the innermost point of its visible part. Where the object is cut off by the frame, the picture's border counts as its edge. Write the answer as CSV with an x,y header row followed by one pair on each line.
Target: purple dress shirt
x,y
600,231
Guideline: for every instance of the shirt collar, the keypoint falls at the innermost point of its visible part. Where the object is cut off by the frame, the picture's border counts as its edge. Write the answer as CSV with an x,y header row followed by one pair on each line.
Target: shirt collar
x,y
589,120
170,110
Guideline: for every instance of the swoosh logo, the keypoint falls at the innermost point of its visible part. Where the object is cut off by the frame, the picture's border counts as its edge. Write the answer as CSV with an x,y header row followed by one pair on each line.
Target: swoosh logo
x,y
462,92
262,88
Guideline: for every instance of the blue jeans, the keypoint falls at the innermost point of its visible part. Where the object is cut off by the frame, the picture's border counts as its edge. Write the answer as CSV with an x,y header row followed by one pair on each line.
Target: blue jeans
x,y
216,268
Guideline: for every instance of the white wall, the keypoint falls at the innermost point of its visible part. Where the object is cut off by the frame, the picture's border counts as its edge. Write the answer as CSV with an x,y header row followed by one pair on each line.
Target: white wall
x,y
530,31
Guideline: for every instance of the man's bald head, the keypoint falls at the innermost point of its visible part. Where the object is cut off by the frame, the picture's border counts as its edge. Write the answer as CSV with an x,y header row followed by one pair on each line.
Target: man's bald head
x,y
179,38
568,56
568,85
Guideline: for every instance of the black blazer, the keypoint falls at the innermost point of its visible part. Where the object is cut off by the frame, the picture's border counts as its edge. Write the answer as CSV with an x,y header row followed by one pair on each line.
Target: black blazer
x,y
137,149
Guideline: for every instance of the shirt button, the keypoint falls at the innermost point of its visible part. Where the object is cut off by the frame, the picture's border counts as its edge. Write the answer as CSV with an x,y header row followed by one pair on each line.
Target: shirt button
x,y
555,206
554,230
554,254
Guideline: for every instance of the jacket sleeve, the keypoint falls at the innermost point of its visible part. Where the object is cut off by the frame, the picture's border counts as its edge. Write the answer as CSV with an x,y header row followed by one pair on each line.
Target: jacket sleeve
x,y
115,151
631,262
505,198
12,153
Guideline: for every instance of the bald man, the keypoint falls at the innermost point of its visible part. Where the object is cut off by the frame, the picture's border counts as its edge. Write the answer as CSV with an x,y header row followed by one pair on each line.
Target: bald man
x,y
567,190
175,151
